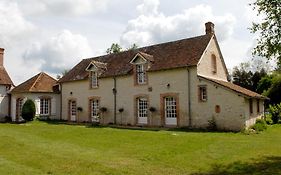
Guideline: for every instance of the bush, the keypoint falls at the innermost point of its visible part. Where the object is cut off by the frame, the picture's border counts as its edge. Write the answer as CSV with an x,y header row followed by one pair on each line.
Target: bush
x,y
28,110
275,112
260,125
212,125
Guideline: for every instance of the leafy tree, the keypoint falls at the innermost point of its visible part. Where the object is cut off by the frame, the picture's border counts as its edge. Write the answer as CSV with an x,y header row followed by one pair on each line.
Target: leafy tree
x,y
269,29
28,110
243,76
63,73
133,47
274,92
114,48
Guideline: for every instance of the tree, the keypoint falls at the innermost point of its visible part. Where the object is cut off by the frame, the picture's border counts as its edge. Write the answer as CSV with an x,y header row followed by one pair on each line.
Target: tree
x,y
269,29
247,75
63,73
28,110
114,48
274,91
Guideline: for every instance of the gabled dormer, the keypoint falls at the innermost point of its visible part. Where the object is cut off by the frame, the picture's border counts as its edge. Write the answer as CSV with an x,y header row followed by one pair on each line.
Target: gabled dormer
x,y
95,69
141,63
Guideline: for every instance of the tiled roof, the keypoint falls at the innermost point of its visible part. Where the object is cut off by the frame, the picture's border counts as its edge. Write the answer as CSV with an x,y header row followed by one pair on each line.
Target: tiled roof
x,y
41,82
4,77
176,54
235,88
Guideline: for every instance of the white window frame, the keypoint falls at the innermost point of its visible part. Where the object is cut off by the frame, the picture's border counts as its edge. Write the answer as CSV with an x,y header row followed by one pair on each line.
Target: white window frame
x,y
95,109
141,74
170,107
44,106
203,93
73,108
94,79
142,107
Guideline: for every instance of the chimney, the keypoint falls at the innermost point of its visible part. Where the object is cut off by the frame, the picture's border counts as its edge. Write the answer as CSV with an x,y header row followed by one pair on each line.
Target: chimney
x,y
1,56
210,28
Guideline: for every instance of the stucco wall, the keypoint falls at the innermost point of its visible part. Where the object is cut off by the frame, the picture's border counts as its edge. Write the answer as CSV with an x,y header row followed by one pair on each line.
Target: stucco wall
x,y
252,117
126,93
205,64
55,103
4,102
232,113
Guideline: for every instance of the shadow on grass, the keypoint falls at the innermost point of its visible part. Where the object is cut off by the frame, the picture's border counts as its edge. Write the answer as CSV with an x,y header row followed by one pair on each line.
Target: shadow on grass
x,y
263,166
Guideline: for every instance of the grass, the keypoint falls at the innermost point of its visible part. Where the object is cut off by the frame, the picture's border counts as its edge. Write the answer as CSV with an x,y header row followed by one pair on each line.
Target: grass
x,y
44,148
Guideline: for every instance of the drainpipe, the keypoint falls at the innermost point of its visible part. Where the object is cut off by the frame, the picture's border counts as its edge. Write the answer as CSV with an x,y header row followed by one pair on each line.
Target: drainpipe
x,y
114,90
189,99
60,89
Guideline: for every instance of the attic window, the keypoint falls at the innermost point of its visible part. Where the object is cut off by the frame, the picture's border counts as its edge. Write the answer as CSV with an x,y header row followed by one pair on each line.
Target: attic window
x,y
94,79
141,74
214,63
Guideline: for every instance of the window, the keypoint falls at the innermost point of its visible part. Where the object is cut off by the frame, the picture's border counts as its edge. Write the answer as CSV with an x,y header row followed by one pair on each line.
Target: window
x,y
141,74
170,107
142,107
94,79
202,93
251,105
214,64
258,106
73,108
44,106
95,110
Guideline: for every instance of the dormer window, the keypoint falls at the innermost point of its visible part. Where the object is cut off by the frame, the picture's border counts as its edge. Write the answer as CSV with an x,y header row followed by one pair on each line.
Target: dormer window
x,y
94,79
141,62
141,74
95,69
214,64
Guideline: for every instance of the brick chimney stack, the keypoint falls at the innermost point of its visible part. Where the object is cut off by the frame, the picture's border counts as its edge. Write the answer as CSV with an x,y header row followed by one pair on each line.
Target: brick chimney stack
x,y
1,56
210,28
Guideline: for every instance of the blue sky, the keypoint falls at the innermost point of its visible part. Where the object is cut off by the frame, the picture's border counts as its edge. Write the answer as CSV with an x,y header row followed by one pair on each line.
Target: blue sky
x,y
53,35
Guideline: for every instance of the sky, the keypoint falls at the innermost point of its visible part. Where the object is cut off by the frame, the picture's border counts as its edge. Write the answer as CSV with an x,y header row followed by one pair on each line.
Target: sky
x,y
55,35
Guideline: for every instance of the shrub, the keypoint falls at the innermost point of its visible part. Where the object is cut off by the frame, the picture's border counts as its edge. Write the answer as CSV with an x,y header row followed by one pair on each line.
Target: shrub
x,y
260,125
103,109
212,125
28,110
275,112
152,109
268,119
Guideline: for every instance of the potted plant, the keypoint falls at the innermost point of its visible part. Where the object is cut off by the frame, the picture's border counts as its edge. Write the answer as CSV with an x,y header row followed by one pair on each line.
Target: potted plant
x,y
102,110
152,110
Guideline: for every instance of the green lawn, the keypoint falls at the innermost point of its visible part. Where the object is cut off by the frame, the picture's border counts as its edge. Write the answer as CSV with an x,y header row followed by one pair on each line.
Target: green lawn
x,y
42,148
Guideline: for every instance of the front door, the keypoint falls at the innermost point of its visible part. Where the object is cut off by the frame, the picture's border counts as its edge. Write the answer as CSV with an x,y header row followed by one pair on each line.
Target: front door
x,y
142,110
73,110
170,111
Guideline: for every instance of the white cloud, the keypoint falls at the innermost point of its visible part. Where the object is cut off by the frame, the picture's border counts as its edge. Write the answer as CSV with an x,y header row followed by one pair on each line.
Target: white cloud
x,y
62,7
152,26
13,26
59,52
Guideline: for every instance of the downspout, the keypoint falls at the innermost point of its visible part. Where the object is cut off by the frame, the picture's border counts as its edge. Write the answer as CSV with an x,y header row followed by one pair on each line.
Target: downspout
x,y
189,99
60,88
114,90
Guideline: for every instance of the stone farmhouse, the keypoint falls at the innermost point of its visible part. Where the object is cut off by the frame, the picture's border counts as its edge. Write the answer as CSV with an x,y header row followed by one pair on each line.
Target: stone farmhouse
x,y
182,83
